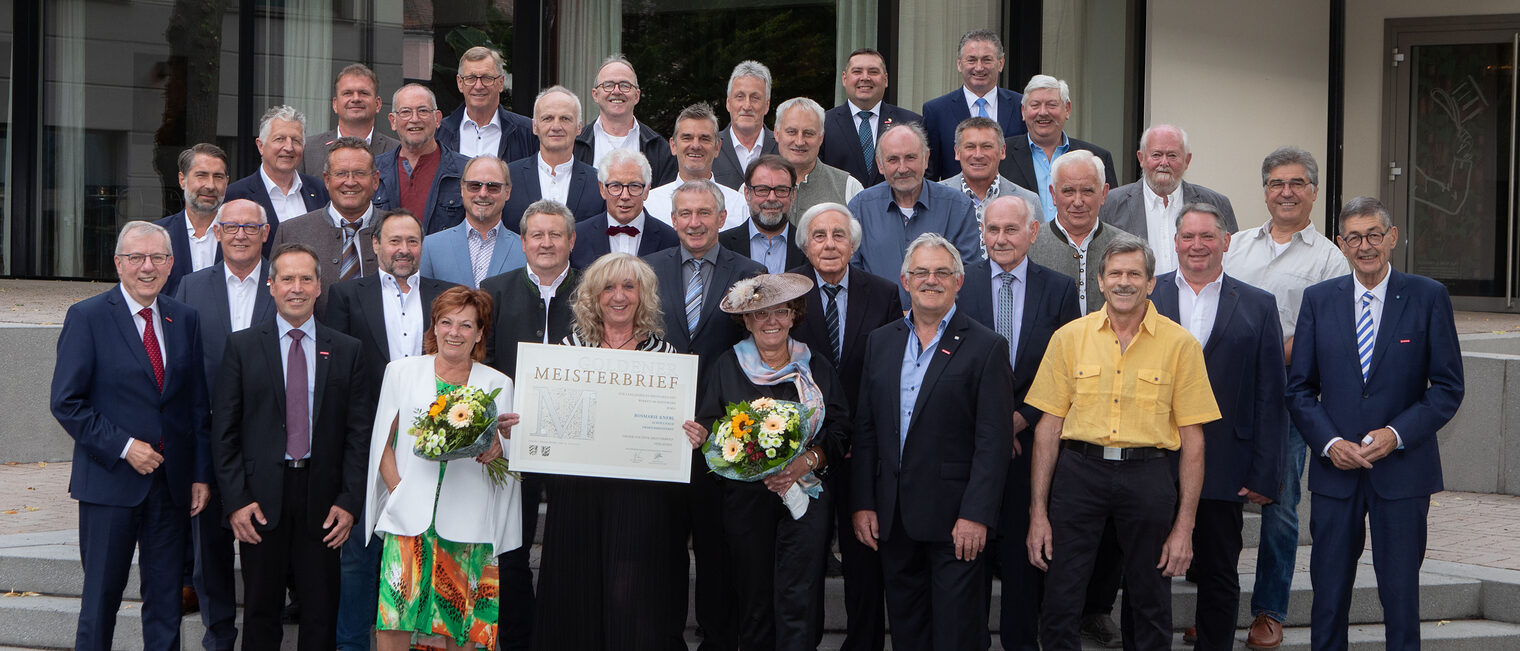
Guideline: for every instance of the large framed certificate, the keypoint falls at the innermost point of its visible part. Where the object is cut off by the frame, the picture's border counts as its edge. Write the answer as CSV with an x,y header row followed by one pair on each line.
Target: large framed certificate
x,y
603,413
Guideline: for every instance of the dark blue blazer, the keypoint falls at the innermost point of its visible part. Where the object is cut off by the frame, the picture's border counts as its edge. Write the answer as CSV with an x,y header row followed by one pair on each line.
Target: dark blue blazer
x,y
942,114
584,199
716,332
955,457
1244,357
104,393
591,240
872,303
1017,166
179,244
313,192
517,139
1050,301
206,291
841,140
445,203
1415,384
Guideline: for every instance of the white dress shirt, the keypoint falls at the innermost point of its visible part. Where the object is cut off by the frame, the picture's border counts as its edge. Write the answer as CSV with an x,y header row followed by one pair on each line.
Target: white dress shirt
x,y
546,293
309,349
875,112
1196,311
475,139
158,334
287,205
241,294
991,97
605,142
659,204
626,243
403,316
1309,258
745,154
554,180
203,248
1161,225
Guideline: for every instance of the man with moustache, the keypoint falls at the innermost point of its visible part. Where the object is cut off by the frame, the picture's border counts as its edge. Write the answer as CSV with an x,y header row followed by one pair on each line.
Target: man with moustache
x,y
1046,107
553,174
979,59
1025,303
979,147
356,102
420,176
278,186
1149,208
799,130
481,246
1075,234
616,93
849,143
695,146
1109,451
482,126
625,227
746,138
340,232
203,178
769,185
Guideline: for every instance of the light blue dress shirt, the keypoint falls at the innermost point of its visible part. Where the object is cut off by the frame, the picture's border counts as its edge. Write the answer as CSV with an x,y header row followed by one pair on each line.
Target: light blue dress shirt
x,y
1042,173
939,209
914,364
769,250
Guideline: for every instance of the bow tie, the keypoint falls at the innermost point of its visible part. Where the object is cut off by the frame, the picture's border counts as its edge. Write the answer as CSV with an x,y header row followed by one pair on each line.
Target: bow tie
x,y
622,230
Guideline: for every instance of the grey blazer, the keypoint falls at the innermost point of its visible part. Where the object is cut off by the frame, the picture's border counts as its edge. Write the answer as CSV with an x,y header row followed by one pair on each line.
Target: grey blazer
x,y
1052,249
726,169
316,230
1125,207
317,146
1007,188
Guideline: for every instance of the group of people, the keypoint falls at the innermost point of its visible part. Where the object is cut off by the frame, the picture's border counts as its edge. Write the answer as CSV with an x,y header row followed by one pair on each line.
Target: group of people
x,y
1070,411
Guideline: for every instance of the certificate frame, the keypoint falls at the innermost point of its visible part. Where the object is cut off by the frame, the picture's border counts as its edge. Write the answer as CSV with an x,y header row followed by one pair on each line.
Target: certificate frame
x,y
599,412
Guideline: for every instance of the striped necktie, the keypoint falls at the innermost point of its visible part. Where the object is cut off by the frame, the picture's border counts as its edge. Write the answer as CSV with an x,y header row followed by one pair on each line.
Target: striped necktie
x,y
831,316
694,296
1366,335
867,143
349,265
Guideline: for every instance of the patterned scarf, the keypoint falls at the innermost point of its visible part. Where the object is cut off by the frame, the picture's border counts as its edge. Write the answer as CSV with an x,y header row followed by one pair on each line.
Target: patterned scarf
x,y
800,374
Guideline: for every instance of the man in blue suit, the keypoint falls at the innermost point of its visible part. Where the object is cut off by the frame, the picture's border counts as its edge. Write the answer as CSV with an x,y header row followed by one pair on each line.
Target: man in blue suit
x,y
624,227
480,246
203,177
979,58
1376,372
129,388
1242,348
229,296
420,175
284,192
553,173
1025,303
481,125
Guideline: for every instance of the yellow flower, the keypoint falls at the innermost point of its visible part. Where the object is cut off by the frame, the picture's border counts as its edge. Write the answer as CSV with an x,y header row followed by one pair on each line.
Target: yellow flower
x,y
773,424
740,423
732,450
437,407
460,416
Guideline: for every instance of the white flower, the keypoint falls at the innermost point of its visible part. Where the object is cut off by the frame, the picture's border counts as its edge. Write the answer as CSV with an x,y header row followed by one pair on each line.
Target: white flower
x,y
731,450
771,453
773,424
762,404
460,416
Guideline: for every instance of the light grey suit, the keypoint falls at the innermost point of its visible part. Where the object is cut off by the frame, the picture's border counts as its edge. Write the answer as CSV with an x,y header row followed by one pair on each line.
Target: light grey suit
x,y
1125,207
316,230
1052,249
317,146
1006,188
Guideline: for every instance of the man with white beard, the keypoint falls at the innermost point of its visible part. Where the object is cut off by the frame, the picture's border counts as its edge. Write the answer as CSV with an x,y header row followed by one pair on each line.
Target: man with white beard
x,y
770,184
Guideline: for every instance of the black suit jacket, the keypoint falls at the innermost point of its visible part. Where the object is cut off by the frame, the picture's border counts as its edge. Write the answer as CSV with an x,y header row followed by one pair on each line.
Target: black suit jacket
x,y
1050,301
248,425
251,187
736,239
1244,357
716,332
955,457
841,139
1018,167
726,168
655,147
206,291
356,308
871,302
517,315
584,200
179,245
591,239
517,140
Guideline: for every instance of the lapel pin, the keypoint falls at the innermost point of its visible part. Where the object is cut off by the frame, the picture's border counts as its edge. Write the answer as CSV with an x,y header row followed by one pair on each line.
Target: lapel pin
x,y
945,351
167,319
1403,341
322,353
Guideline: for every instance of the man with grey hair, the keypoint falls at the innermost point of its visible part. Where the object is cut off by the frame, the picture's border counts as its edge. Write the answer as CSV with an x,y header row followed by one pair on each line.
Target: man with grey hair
x,y
482,125
849,138
421,175
1284,256
616,92
278,186
695,146
1075,234
746,138
625,226
979,59
553,174
946,444
356,102
799,132
1149,208
979,147
1046,107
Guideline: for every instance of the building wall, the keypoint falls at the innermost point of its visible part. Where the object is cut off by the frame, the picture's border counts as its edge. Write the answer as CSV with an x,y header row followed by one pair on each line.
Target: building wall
x,y
929,33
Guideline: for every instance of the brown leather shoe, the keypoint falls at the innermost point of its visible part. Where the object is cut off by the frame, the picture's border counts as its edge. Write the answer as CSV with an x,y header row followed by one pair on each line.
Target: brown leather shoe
x,y
188,602
1266,633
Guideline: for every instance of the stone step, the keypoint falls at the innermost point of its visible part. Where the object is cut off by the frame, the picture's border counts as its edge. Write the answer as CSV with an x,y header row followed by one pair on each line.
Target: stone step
x,y
48,622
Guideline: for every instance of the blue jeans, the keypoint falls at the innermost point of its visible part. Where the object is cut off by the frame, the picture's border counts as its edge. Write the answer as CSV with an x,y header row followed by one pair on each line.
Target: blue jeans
x,y
359,591
1278,551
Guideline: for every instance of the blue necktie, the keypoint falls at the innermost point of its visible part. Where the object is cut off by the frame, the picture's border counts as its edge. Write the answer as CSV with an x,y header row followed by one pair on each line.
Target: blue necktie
x,y
1366,335
694,296
981,107
867,143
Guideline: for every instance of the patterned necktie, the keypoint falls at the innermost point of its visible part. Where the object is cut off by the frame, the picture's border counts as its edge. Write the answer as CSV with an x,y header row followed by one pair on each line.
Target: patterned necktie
x,y
694,296
349,265
831,316
481,250
150,345
867,143
1005,307
297,418
981,107
1366,335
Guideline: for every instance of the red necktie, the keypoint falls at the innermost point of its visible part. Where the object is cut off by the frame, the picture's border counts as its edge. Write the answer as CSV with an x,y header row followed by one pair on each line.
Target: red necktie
x,y
622,230
297,419
150,345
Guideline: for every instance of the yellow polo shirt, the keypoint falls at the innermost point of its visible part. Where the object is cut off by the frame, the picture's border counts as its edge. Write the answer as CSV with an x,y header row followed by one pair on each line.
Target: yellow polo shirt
x,y
1137,398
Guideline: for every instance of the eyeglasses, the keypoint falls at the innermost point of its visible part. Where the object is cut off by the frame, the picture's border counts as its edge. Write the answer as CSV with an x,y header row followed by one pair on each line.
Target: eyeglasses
x,y
939,274
407,113
633,189
136,259
1297,185
476,79
609,86
778,312
344,175
232,228
1354,240
781,191
491,187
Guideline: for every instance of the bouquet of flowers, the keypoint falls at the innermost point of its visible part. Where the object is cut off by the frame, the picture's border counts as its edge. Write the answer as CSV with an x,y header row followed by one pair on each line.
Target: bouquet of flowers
x,y
756,439
458,425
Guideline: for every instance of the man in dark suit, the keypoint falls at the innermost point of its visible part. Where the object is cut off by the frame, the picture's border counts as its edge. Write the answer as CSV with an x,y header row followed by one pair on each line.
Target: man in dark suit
x,y
284,192
625,226
746,138
766,238
849,138
1025,303
1242,349
420,175
1149,208
340,232
203,177
979,58
1369,405
290,435
693,278
933,424
847,304
1033,149
356,101
553,173
229,296
482,125
616,92
128,388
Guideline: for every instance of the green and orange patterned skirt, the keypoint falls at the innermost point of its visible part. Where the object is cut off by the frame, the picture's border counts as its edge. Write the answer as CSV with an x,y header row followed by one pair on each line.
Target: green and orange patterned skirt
x,y
433,586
